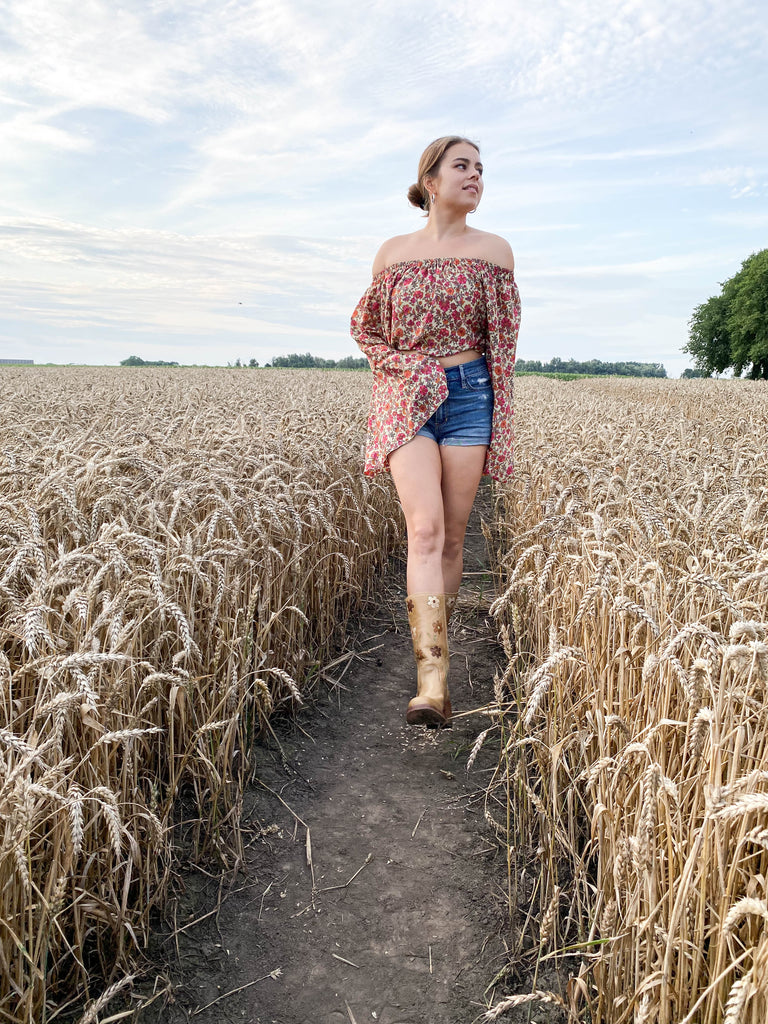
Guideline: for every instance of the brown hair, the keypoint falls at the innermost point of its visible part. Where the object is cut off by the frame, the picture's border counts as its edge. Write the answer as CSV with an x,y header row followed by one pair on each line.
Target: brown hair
x,y
429,165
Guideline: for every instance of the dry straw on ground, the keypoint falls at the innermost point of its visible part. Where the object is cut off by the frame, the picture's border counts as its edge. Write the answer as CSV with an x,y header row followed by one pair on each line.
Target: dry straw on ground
x,y
178,550
633,566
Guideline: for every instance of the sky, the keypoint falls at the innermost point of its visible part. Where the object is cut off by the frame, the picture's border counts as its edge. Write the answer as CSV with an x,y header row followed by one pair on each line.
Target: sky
x,y
204,181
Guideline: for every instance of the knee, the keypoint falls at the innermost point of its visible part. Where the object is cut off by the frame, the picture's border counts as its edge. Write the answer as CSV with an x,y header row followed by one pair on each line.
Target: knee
x,y
453,547
426,537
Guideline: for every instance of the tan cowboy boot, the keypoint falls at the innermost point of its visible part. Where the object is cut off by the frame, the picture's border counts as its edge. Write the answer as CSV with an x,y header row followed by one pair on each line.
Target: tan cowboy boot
x,y
426,615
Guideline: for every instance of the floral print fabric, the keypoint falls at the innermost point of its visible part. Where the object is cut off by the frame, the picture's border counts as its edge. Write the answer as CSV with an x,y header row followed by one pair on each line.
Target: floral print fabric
x,y
417,310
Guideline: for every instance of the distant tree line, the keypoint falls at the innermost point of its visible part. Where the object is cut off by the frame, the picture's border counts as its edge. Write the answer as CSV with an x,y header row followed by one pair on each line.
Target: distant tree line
x,y
730,330
592,367
138,361
307,361
294,361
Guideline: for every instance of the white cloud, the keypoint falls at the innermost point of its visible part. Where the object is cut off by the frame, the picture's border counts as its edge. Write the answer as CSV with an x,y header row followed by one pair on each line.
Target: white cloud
x,y
740,181
89,53
132,282
162,162
28,132
660,267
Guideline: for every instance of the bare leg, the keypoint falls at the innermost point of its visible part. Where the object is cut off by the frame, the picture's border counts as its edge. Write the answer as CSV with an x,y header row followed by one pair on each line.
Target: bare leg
x,y
417,472
437,488
462,471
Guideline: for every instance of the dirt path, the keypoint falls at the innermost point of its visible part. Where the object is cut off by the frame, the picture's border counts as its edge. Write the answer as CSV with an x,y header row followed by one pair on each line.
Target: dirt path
x,y
404,921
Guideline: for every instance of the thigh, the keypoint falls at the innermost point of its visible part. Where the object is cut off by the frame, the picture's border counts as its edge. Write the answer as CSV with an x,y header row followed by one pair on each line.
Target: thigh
x,y
417,471
462,471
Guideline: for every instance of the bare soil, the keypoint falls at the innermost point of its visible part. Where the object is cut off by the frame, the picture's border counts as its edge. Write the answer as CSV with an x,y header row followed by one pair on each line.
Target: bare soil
x,y
394,912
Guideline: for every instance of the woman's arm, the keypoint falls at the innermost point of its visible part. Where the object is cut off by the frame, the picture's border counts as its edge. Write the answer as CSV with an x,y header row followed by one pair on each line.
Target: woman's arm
x,y
370,329
503,314
370,326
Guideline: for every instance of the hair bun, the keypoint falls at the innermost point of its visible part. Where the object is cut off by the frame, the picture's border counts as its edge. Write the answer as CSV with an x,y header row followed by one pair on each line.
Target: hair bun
x,y
417,197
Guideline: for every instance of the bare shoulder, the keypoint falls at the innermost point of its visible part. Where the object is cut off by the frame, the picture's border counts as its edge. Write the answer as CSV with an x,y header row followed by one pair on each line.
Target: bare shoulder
x,y
391,251
496,249
418,245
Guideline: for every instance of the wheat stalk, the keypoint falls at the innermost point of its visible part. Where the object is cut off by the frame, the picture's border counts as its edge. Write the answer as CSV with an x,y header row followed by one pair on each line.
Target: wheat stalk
x,y
169,572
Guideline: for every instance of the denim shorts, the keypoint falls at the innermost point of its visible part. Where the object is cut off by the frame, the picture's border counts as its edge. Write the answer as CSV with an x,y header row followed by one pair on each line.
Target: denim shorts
x,y
465,416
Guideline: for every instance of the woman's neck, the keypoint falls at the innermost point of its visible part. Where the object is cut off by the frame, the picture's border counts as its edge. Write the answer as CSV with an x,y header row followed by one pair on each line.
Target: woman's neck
x,y
445,224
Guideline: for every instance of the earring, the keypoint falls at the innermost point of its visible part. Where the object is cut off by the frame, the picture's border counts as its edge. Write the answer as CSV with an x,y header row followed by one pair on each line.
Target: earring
x,y
433,198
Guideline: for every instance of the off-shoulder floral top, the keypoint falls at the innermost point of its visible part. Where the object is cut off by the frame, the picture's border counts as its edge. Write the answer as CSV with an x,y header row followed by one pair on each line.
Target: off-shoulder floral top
x,y
417,310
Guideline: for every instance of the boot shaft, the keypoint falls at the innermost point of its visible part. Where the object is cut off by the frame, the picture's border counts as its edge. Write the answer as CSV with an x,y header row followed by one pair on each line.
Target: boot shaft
x,y
429,632
429,628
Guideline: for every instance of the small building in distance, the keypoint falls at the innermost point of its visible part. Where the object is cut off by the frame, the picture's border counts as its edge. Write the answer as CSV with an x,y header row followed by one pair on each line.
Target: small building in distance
x,y
17,362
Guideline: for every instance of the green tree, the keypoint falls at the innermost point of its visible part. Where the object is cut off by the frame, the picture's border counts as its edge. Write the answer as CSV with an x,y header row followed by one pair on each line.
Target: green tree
x,y
303,361
352,363
591,367
138,361
748,320
731,329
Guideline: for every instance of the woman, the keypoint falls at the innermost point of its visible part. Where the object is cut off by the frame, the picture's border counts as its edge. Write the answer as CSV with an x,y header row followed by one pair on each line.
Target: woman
x,y
439,325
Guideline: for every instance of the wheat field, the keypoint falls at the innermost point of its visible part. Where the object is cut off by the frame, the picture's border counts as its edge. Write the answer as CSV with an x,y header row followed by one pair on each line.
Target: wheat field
x,y
632,562
179,552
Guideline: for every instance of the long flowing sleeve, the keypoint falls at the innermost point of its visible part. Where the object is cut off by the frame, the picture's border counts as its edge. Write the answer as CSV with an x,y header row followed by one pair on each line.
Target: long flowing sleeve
x,y
407,385
503,310
372,330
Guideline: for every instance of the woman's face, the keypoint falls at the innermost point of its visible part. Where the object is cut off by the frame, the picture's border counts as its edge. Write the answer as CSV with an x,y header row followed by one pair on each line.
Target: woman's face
x,y
459,180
